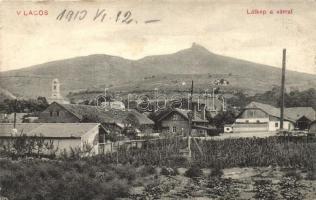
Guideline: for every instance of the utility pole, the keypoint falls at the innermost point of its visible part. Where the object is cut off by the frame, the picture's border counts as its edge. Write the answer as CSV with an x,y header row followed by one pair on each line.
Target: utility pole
x,y
156,97
14,118
282,90
213,99
191,98
190,117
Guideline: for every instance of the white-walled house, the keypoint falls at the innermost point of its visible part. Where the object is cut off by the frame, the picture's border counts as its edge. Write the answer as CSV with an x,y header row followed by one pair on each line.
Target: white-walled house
x,y
259,117
63,135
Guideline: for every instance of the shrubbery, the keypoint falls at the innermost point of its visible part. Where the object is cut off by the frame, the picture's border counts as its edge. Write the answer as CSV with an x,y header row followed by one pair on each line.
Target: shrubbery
x,y
36,179
194,171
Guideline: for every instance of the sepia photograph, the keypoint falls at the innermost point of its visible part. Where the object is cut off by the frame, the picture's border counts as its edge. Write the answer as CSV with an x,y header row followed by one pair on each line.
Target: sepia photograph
x,y
165,99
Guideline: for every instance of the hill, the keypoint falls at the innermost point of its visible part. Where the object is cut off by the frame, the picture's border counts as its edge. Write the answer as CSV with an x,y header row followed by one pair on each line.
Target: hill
x,y
166,72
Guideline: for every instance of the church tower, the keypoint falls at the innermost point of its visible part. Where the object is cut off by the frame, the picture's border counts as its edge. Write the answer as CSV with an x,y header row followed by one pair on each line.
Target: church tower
x,y
56,89
56,96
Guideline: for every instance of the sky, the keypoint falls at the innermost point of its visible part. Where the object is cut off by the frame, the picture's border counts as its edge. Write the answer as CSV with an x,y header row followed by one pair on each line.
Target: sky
x,y
223,27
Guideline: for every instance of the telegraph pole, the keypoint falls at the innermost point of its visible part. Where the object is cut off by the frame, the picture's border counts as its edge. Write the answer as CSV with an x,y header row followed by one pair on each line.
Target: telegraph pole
x,y
190,117
282,90
14,118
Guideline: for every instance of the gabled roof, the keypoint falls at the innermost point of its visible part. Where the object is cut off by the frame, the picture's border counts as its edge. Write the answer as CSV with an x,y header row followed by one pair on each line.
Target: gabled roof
x,y
120,115
270,110
296,113
291,114
142,118
183,113
97,114
91,112
51,130
75,130
6,128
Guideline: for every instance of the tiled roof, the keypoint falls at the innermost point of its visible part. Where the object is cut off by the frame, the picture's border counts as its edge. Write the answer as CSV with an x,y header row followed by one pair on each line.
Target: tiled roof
x,y
63,129
23,128
48,129
270,110
291,114
296,113
91,112
183,113
96,114
143,119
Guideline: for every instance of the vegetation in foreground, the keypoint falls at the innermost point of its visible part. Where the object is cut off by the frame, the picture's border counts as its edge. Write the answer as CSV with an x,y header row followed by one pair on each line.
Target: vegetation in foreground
x,y
154,171
84,179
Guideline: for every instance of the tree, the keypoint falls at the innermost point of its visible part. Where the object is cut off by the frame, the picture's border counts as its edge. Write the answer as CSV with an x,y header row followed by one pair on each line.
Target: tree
x,y
223,118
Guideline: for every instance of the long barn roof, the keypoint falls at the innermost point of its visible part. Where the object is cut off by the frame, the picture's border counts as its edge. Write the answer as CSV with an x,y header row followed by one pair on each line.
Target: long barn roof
x,y
50,130
291,114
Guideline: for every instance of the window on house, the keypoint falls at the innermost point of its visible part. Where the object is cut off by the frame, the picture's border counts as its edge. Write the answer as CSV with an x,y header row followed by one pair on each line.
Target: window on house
x,y
247,121
51,113
258,121
57,113
174,129
174,117
276,124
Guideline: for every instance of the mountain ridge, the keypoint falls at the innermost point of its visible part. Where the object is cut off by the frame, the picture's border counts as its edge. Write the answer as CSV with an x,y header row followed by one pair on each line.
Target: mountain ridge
x,y
102,70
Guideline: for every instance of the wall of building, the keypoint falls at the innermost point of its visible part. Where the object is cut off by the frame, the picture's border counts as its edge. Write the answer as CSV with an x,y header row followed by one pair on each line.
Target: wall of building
x,y
275,125
175,120
253,113
56,114
312,128
66,144
250,127
91,139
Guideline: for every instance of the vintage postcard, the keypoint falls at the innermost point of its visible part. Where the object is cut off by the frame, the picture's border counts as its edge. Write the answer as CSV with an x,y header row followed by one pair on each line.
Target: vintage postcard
x,y
165,99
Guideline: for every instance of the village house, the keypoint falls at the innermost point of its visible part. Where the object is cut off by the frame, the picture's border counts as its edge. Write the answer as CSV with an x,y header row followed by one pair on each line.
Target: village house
x,y
259,117
114,120
302,116
63,136
176,121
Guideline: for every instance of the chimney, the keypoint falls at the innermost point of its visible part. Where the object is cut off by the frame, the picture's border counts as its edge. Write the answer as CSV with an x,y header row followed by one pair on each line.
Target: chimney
x,y
203,108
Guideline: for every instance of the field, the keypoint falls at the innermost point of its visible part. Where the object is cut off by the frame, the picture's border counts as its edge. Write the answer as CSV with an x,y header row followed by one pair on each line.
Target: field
x,y
227,153
235,183
244,168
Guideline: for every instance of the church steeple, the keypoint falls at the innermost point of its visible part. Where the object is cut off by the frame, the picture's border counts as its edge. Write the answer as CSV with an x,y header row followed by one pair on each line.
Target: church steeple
x,y
56,89
56,96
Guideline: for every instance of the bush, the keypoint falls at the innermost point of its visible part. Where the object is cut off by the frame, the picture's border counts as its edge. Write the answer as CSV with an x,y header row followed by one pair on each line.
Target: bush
x,y
193,172
216,172
49,180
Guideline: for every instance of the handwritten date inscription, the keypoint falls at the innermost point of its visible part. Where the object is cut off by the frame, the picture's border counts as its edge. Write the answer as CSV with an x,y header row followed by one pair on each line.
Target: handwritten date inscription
x,y
122,17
